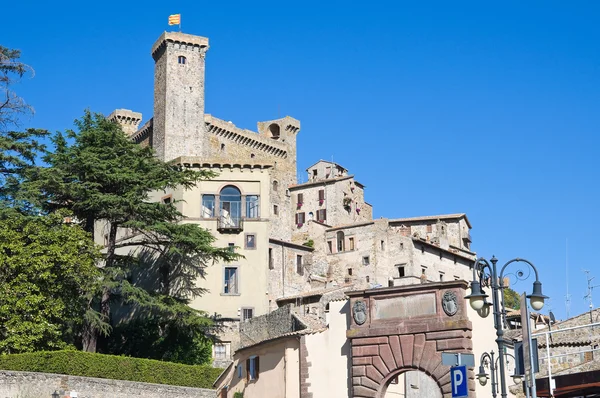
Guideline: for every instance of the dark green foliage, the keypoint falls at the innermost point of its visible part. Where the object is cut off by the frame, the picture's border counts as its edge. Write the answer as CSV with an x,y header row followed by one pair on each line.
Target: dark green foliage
x,y
77,363
18,149
104,178
512,299
309,243
48,267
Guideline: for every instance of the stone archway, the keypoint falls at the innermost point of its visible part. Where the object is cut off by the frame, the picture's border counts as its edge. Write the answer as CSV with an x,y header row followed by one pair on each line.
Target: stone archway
x,y
412,383
400,328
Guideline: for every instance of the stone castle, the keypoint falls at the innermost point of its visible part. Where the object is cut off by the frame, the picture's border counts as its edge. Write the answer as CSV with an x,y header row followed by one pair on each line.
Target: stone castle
x,y
298,239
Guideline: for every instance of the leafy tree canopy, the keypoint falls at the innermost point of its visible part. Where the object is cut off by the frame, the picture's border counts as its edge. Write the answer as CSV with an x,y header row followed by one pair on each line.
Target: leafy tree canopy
x,y
512,299
48,268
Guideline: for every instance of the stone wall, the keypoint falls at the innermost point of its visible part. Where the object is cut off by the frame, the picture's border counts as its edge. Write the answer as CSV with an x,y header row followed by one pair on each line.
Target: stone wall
x,y
42,385
265,327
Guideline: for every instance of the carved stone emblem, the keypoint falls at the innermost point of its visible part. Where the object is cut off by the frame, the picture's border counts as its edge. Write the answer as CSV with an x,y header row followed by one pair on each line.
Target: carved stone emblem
x,y
450,303
359,312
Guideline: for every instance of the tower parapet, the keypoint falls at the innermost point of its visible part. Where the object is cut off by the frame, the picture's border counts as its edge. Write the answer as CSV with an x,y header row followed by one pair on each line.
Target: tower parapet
x,y
129,120
178,127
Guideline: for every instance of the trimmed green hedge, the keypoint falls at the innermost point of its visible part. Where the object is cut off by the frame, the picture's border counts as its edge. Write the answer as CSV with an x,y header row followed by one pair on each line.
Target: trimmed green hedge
x,y
78,363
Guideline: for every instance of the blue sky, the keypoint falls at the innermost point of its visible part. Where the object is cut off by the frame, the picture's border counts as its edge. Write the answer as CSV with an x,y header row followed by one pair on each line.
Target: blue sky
x,y
437,107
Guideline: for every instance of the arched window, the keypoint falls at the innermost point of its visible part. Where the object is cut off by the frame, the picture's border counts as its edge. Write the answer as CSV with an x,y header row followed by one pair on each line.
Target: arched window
x,y
275,185
181,60
340,241
230,209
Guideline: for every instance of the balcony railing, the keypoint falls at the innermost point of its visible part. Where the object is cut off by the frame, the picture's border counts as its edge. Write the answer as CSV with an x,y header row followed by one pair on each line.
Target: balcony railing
x,y
230,224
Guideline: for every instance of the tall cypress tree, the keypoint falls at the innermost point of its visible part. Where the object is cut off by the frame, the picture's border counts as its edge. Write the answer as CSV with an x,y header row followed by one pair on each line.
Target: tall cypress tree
x,y
102,177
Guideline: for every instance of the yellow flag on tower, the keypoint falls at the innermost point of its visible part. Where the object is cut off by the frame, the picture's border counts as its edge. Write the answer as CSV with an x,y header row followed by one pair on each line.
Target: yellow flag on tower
x,y
175,19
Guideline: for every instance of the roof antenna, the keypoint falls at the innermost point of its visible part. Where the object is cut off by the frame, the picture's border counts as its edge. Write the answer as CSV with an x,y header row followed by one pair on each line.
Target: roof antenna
x,y
588,295
567,296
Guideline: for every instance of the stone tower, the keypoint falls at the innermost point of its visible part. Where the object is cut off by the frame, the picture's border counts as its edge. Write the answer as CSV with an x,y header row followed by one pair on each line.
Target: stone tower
x,y
178,95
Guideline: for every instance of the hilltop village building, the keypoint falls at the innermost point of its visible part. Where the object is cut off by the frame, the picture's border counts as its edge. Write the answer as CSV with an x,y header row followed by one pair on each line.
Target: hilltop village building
x,y
307,247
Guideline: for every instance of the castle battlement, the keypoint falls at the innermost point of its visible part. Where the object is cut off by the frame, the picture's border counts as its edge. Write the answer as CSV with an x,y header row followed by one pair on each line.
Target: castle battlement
x,y
183,40
128,120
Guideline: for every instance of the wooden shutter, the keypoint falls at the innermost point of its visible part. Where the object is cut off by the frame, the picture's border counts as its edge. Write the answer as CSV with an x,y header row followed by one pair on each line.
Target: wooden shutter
x,y
256,367
248,369
297,218
300,198
323,214
301,218
321,194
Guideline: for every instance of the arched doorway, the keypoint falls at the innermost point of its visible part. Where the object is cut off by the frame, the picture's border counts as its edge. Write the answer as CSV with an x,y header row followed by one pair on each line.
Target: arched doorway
x,y
403,330
411,384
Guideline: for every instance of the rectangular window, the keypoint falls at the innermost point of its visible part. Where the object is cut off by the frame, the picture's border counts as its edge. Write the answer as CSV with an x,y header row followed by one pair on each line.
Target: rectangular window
x,y
208,206
247,313
401,271
271,266
441,276
349,271
250,241
300,199
231,281
382,245
330,246
429,228
231,247
321,195
240,370
322,215
366,260
220,351
299,265
252,206
351,243
253,368
275,209
300,218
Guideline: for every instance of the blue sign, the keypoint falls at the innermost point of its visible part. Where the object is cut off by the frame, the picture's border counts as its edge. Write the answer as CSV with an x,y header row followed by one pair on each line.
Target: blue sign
x,y
458,377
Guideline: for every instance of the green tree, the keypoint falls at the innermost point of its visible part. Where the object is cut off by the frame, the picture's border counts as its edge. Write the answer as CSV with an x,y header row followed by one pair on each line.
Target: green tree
x,y
48,267
18,149
512,299
100,175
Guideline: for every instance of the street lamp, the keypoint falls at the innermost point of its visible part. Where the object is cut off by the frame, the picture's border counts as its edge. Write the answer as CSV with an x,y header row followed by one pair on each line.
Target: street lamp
x,y
482,376
478,300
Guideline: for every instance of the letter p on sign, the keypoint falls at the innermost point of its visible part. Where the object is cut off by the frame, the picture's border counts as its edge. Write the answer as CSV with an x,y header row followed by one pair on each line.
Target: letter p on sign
x,y
458,376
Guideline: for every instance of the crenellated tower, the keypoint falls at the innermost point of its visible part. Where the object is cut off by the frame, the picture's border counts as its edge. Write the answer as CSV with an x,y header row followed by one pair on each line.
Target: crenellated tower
x,y
178,125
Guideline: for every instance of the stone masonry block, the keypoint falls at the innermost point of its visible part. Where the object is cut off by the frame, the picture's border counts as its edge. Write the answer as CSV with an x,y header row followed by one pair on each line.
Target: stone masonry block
x,y
430,357
378,363
365,381
396,350
369,341
419,345
441,371
361,391
373,374
364,351
358,371
388,358
454,344
447,334
407,349
362,361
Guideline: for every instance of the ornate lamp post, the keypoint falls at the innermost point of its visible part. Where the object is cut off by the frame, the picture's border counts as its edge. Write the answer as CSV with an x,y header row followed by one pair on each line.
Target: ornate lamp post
x,y
486,275
482,376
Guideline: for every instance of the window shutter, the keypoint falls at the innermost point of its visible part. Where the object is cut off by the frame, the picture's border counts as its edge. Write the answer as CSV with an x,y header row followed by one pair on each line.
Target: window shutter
x,y
324,215
300,198
301,217
297,218
256,367
321,194
248,369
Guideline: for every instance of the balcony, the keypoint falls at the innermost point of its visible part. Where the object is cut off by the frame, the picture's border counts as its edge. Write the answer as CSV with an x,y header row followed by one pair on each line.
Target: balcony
x,y
230,225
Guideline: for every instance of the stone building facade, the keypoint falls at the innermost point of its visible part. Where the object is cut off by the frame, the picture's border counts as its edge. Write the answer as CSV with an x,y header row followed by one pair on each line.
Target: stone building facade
x,y
300,242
